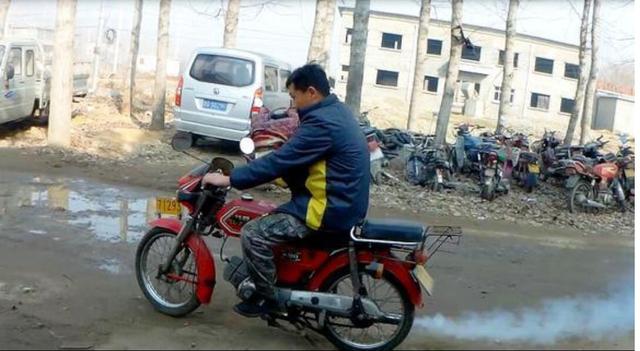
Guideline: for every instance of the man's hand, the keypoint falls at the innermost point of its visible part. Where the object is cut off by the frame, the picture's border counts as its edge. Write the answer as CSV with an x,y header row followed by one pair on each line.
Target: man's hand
x,y
216,179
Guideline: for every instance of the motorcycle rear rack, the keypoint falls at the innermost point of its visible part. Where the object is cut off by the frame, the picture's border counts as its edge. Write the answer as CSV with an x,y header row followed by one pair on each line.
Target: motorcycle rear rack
x,y
439,235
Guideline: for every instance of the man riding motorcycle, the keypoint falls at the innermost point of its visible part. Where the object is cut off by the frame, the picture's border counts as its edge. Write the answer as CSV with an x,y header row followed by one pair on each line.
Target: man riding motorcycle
x,y
326,166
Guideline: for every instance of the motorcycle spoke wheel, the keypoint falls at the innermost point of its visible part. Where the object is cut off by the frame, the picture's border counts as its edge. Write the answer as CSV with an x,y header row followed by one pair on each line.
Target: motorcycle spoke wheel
x,y
582,190
173,293
389,298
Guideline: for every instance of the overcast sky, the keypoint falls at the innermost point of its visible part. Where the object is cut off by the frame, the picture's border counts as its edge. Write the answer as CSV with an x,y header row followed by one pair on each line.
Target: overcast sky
x,y
283,28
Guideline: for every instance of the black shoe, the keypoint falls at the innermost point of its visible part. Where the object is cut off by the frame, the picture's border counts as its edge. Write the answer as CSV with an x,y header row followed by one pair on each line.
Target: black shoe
x,y
249,309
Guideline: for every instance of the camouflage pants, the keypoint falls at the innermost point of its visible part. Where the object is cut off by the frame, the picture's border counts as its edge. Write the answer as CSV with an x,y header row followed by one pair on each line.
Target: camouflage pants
x,y
259,237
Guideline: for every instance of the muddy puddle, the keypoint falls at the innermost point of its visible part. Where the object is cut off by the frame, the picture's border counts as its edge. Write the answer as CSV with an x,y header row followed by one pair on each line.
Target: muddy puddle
x,y
109,214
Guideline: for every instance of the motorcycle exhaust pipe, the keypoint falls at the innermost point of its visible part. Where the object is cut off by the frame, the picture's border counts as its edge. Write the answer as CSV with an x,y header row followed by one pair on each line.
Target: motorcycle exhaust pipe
x,y
583,201
337,305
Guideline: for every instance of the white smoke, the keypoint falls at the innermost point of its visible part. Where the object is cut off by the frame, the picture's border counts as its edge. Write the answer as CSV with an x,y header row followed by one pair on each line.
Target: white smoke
x,y
589,317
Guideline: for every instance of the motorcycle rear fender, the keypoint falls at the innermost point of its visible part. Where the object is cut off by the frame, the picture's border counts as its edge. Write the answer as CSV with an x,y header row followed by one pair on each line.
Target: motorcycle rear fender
x,y
340,261
572,181
204,262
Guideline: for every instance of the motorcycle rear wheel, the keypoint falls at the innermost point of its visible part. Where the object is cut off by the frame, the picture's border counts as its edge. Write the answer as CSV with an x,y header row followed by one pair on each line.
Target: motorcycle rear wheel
x,y
161,290
585,189
488,191
343,337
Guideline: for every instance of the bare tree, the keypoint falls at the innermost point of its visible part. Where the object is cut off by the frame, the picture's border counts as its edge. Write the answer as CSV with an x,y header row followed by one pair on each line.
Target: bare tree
x,y
582,78
133,53
421,59
320,44
452,72
160,87
231,24
357,55
593,75
507,69
59,132
4,11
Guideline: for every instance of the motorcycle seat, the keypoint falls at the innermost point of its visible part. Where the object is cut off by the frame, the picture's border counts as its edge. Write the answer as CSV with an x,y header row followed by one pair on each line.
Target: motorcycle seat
x,y
392,230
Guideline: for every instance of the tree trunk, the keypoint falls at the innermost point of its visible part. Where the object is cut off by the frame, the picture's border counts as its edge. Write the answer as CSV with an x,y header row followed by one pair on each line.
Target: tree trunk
x,y
160,87
507,70
97,51
133,54
582,78
4,11
357,55
452,72
593,75
231,24
59,132
322,35
421,60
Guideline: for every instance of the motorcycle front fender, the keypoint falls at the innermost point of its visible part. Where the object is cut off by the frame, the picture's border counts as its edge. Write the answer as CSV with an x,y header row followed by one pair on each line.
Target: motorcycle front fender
x,y
204,261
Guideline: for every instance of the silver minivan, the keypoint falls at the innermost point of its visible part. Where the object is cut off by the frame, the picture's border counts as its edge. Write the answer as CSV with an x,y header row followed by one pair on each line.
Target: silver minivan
x,y
221,89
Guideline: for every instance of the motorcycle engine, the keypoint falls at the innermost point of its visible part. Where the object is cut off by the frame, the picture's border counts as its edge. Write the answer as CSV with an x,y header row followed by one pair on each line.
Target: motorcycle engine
x,y
235,272
604,197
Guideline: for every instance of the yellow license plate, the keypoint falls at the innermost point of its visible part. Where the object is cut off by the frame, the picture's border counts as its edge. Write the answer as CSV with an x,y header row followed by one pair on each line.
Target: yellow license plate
x,y
424,278
630,173
168,205
533,168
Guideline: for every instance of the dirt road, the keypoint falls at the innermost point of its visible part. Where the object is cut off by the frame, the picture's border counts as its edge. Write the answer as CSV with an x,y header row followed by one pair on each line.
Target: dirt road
x,y
67,245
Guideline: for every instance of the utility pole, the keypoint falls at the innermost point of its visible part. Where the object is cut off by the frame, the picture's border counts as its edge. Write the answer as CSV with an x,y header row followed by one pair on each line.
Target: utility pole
x,y
97,50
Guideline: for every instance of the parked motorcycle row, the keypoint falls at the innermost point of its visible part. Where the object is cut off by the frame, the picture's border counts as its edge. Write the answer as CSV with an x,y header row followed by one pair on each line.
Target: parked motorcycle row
x,y
593,179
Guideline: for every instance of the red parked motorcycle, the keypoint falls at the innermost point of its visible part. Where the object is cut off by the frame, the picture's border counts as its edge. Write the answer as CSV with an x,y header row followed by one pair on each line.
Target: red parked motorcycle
x,y
359,290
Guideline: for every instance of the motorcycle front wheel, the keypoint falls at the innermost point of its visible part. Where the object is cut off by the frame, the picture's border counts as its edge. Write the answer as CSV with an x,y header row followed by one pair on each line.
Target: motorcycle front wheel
x,y
389,295
173,293
488,190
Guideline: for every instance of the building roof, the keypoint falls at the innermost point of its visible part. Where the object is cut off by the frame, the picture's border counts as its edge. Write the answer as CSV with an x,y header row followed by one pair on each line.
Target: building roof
x,y
470,26
614,95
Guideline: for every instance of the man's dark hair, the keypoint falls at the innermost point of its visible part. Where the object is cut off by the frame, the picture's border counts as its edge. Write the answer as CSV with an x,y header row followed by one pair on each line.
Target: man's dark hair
x,y
310,75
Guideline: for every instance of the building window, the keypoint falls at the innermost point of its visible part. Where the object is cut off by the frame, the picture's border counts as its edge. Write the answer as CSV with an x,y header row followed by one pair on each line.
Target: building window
x,y
501,59
430,84
497,93
566,105
347,36
387,78
544,65
476,87
540,101
434,47
471,53
571,70
345,72
391,41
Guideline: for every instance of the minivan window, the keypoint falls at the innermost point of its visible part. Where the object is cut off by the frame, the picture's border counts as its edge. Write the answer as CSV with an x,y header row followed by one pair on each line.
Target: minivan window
x,y
270,78
284,75
29,63
15,58
222,70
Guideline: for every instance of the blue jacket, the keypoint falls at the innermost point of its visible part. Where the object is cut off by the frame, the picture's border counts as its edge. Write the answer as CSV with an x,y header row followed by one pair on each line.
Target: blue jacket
x,y
325,164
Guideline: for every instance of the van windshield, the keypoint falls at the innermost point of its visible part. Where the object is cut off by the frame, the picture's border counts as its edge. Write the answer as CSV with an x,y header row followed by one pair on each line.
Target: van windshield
x,y
222,70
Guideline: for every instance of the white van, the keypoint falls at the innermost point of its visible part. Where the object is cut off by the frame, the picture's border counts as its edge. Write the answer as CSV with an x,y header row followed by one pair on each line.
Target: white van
x,y
221,89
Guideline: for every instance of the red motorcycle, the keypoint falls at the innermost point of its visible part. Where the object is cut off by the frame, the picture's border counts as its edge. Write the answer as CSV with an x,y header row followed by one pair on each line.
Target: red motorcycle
x,y
597,186
359,290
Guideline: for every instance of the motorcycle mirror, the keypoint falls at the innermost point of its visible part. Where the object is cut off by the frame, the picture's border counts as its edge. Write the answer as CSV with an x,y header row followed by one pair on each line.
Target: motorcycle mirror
x,y
182,141
247,146
225,166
